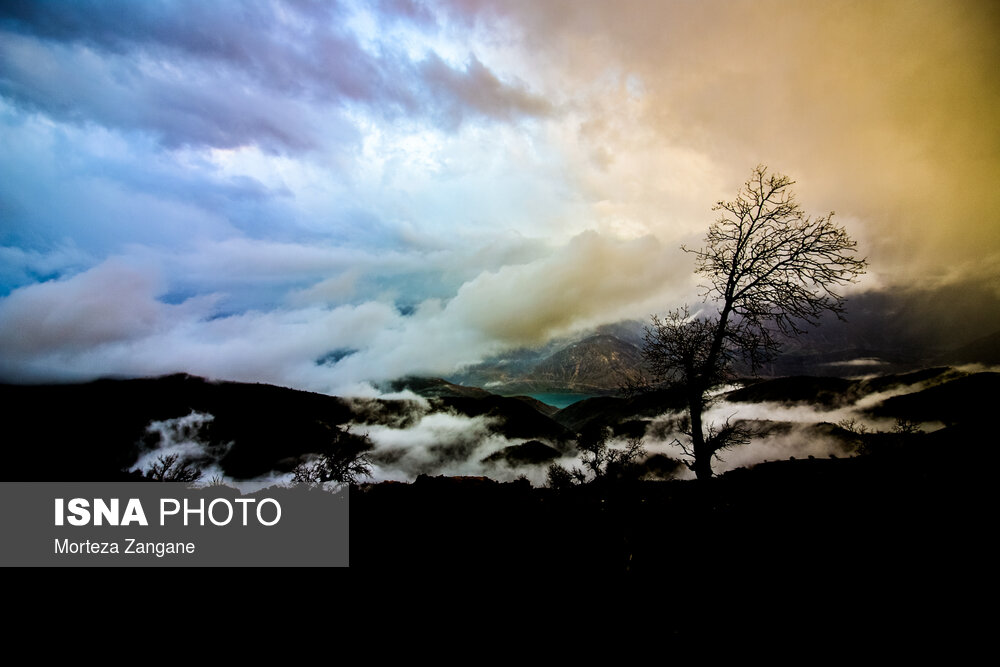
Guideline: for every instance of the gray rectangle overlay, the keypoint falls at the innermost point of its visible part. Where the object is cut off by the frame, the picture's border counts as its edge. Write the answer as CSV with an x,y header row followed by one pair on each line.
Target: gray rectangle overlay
x,y
152,524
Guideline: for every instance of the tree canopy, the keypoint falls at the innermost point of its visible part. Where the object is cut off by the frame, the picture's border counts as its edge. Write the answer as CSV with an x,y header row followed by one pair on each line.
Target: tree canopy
x,y
771,272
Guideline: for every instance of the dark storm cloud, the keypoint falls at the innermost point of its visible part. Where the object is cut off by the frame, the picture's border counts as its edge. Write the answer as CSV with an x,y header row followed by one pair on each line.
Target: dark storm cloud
x,y
232,74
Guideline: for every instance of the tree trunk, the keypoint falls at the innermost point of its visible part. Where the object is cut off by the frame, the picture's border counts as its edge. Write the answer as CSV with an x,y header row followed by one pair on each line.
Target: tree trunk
x,y
696,398
702,455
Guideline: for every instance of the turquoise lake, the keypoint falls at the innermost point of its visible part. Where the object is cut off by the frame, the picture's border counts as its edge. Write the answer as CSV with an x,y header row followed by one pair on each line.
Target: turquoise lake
x,y
559,400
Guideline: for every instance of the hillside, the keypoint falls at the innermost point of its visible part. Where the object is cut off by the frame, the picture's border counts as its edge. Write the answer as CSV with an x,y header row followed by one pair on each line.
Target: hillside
x,y
824,391
101,430
985,350
595,365
965,400
625,416
93,431
436,388
811,522
467,522
98,430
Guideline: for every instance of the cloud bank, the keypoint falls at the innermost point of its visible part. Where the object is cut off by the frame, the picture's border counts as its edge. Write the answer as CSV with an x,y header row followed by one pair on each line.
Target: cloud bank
x,y
326,194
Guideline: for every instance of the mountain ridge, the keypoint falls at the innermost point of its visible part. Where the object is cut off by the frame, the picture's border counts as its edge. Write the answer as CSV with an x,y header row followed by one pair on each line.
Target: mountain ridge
x,y
596,365
97,431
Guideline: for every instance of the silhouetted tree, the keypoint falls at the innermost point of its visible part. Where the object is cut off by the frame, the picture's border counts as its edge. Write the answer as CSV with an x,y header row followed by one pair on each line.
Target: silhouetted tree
x,y
867,441
343,461
771,271
560,478
168,469
601,460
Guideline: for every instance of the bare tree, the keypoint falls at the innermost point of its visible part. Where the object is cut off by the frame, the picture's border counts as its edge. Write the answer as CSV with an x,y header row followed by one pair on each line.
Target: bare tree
x,y
605,460
602,461
167,468
344,460
772,271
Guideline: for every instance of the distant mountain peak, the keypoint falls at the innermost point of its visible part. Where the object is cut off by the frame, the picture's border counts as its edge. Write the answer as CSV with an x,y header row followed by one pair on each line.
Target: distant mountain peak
x,y
597,364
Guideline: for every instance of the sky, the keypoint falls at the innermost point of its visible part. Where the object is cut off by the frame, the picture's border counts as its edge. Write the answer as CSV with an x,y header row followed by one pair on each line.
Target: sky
x,y
324,195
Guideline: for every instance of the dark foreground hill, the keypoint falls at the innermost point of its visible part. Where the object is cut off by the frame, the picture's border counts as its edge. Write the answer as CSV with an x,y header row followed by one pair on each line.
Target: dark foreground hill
x,y
912,510
831,392
968,399
912,500
96,431
808,520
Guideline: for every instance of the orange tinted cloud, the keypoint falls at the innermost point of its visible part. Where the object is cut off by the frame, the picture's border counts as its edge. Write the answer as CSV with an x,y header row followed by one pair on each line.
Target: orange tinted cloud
x,y
882,111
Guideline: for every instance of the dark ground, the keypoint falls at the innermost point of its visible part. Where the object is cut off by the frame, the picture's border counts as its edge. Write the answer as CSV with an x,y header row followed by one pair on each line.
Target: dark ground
x,y
920,509
812,518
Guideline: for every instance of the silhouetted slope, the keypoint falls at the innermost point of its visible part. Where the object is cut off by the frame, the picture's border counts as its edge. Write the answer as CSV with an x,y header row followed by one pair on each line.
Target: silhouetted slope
x,y
436,388
924,376
531,452
517,418
834,392
96,430
619,413
968,399
93,431
825,391
440,388
605,408
905,502
809,519
544,408
985,350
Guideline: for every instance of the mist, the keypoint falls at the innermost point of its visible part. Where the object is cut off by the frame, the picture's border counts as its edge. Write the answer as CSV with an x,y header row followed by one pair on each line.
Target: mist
x,y
410,437
784,431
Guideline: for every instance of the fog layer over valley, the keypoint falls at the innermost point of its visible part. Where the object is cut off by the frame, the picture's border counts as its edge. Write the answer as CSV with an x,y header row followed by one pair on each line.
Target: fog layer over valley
x,y
254,435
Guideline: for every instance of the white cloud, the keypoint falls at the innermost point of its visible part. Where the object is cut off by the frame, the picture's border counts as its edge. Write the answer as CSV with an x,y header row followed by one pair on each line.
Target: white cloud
x,y
110,319
593,279
455,164
441,443
112,302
